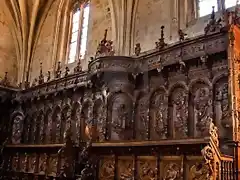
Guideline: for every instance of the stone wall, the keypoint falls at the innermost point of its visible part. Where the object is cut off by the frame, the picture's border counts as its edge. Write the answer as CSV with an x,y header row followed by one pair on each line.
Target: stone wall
x,y
8,55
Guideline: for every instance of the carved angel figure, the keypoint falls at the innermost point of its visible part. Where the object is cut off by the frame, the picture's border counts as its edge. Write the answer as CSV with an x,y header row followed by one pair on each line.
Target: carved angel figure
x,y
181,109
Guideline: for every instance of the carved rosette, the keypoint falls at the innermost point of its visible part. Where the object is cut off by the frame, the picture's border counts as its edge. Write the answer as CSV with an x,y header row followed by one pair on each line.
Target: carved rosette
x,y
180,113
202,103
159,115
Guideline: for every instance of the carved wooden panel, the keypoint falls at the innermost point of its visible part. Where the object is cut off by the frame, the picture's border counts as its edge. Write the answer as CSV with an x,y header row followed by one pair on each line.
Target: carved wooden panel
x,y
125,168
147,168
107,169
159,115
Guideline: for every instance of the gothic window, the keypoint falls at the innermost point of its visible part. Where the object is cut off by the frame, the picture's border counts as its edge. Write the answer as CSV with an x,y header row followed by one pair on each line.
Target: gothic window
x,y
230,3
78,33
205,7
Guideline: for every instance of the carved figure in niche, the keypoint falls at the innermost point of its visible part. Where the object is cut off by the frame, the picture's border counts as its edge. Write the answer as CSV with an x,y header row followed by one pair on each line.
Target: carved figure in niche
x,y
199,171
172,172
43,163
180,105
17,129
160,115
222,105
100,118
202,103
148,170
143,110
107,170
121,115
58,126
125,170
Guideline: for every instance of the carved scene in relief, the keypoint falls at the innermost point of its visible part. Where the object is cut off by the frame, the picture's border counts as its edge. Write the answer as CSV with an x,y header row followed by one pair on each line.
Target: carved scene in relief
x,y
159,115
179,112
121,116
125,169
147,169
107,169
200,109
173,171
99,117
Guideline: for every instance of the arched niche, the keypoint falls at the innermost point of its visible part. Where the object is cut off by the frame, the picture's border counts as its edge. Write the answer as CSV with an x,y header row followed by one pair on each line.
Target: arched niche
x,y
159,115
200,108
86,117
39,126
76,122
48,124
178,112
56,125
99,117
32,127
141,122
65,121
222,114
120,117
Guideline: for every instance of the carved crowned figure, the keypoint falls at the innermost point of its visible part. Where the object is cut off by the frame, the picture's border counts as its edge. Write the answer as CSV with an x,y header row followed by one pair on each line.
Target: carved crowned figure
x,y
17,128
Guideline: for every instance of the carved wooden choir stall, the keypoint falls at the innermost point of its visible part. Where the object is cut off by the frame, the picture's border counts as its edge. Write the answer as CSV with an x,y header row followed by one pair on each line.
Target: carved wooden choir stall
x,y
171,113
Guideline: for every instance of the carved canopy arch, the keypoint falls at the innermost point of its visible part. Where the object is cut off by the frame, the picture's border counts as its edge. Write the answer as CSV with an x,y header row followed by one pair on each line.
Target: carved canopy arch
x,y
173,87
199,81
217,78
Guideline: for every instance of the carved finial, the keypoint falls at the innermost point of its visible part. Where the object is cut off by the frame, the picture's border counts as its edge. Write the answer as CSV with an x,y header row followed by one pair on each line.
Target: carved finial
x,y
137,49
161,43
78,68
213,25
181,35
41,77
66,71
26,84
5,81
58,71
213,13
34,83
48,76
105,47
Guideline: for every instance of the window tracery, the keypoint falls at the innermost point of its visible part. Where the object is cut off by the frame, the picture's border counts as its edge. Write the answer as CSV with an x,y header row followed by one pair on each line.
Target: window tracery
x,y
78,33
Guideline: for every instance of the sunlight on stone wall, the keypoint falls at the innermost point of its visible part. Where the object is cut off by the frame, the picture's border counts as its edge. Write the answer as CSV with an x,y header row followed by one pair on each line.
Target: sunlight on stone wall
x,y
100,19
44,47
151,15
8,57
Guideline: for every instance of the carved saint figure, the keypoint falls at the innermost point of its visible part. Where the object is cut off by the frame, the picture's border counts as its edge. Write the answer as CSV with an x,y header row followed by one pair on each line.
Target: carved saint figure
x,y
180,116
143,118
172,172
17,128
107,170
222,98
202,104
121,114
160,115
